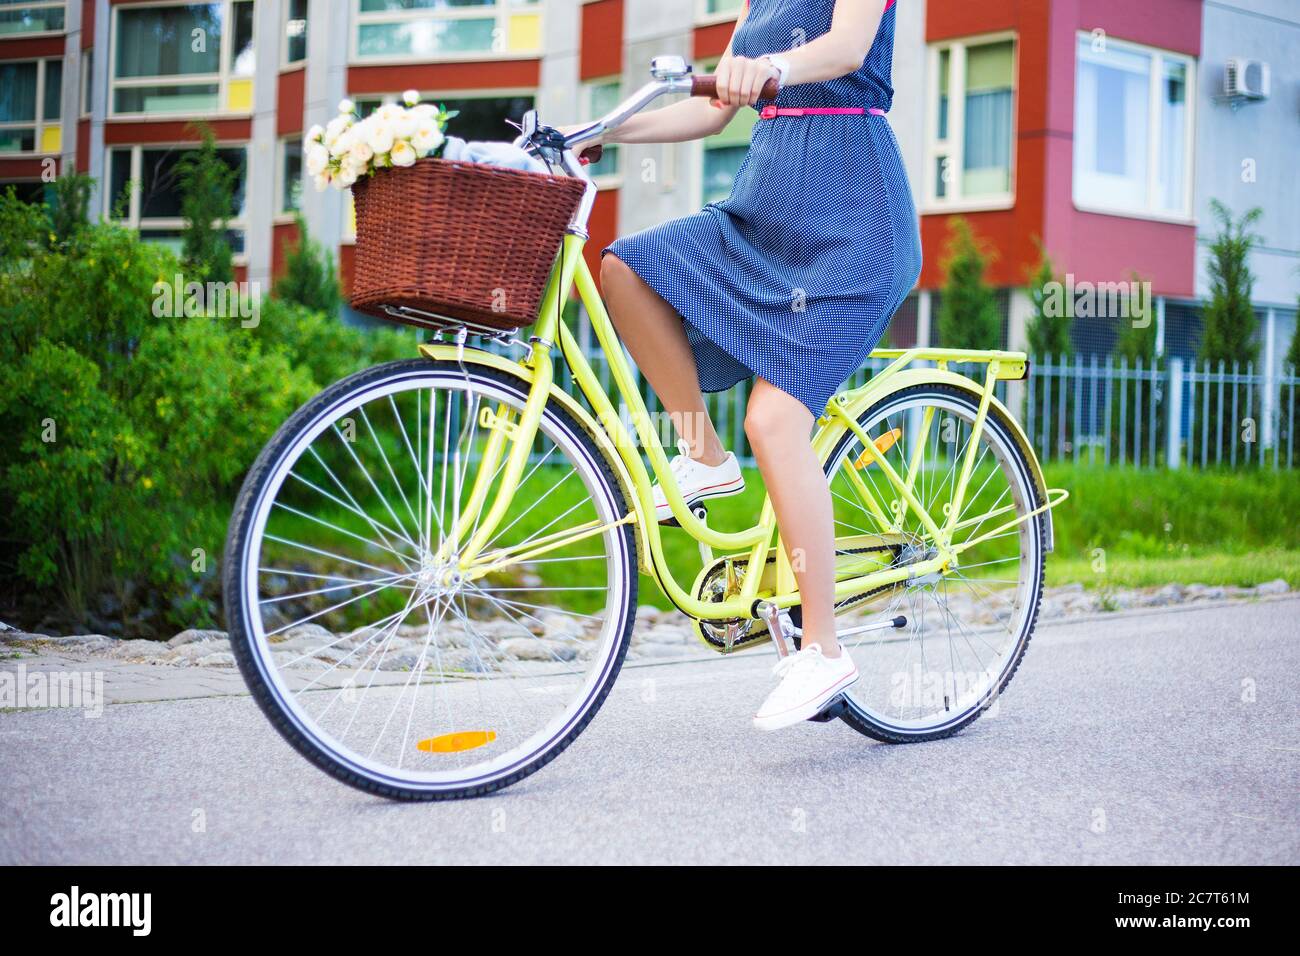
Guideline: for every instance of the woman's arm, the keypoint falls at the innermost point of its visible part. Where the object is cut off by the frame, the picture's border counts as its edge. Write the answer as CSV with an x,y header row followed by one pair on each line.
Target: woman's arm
x,y
692,118
839,51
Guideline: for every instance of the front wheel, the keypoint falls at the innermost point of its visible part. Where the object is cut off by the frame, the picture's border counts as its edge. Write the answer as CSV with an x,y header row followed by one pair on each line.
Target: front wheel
x,y
362,640
967,627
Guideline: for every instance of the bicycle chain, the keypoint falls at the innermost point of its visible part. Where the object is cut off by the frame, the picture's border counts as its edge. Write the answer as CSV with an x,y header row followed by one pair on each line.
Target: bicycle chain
x,y
755,635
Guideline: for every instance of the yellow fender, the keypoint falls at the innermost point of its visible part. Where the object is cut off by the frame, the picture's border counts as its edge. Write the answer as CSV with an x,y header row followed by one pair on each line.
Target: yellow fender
x,y
475,356
858,400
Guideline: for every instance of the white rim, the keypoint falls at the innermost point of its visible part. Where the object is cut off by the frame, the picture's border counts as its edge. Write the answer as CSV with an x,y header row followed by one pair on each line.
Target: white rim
x,y
536,744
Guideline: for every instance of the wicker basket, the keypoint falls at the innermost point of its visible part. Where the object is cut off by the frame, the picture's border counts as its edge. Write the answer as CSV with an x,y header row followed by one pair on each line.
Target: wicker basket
x,y
468,242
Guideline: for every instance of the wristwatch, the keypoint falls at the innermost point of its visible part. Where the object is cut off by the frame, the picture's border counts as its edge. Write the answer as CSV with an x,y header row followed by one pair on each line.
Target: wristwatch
x,y
782,67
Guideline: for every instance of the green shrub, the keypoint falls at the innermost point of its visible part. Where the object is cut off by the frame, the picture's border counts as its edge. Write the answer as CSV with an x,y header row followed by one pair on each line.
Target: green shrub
x,y
969,317
309,276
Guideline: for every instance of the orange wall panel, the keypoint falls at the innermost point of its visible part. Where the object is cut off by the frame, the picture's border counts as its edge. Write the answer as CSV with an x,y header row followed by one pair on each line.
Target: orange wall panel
x,y
602,39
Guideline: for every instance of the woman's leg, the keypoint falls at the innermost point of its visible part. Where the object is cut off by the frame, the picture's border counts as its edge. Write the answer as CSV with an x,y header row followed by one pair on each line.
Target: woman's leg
x,y
653,333
779,427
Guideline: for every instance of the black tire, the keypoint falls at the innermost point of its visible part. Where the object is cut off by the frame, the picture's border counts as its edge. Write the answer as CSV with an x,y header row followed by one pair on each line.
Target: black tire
x,y
241,634
855,716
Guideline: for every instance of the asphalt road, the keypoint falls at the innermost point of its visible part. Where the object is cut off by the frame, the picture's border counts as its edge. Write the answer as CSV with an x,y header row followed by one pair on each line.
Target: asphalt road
x,y
1165,737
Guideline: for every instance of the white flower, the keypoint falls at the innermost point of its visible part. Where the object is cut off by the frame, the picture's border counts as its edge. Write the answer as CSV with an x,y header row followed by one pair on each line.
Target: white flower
x,y
360,153
334,129
343,143
347,107
403,154
404,125
427,137
315,133
316,157
389,112
380,137
424,111
411,97
321,181
345,178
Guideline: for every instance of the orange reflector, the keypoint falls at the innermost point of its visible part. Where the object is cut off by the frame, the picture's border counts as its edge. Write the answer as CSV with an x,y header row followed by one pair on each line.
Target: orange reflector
x,y
455,743
883,444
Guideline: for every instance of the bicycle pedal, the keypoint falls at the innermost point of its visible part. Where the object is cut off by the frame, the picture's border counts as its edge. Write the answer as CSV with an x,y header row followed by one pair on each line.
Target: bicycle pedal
x,y
832,711
698,509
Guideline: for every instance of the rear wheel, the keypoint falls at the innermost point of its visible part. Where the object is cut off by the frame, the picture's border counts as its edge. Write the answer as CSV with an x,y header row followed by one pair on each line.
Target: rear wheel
x,y
967,628
361,640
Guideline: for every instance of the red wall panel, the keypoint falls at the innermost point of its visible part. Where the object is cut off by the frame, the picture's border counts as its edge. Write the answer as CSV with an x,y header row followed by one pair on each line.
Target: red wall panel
x,y
289,102
495,74
602,39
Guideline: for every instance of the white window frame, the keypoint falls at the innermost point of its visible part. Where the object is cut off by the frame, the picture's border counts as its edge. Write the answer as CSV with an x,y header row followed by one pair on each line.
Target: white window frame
x,y
1158,58
704,18
954,147
612,180
133,220
40,4
501,10
222,77
285,62
39,123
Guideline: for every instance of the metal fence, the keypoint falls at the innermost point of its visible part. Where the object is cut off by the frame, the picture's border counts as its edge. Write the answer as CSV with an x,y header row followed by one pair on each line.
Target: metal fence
x,y
1104,411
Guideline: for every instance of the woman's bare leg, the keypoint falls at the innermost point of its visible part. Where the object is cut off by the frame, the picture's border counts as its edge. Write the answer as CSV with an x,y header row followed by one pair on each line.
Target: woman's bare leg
x,y
653,333
779,427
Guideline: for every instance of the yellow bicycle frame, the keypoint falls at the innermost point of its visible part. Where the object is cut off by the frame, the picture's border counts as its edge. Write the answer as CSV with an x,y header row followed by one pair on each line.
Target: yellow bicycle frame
x,y
474,527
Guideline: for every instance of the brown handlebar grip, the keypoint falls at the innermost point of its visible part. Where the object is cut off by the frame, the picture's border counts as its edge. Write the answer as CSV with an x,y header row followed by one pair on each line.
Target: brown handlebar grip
x,y
706,84
591,154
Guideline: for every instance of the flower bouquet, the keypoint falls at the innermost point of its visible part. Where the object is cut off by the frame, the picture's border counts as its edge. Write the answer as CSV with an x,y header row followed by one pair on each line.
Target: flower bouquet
x,y
346,149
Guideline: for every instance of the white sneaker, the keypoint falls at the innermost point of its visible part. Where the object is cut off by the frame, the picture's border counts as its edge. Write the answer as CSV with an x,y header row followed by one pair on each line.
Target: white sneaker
x,y
698,481
809,681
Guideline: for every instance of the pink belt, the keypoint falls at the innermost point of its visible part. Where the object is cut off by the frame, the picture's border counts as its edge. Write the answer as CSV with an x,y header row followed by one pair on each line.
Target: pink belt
x,y
772,112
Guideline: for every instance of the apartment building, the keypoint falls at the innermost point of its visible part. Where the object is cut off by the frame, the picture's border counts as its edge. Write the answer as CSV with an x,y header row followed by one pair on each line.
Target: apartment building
x,y
1101,129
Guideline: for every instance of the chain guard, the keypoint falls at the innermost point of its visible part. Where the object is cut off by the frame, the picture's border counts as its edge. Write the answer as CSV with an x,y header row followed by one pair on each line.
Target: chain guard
x,y
713,631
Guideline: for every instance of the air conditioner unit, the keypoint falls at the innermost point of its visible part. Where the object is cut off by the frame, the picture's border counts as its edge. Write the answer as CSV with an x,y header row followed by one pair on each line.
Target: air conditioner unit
x,y
1245,79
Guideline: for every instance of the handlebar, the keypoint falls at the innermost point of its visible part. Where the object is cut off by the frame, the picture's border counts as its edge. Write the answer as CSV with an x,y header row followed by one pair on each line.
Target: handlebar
x,y
707,85
692,85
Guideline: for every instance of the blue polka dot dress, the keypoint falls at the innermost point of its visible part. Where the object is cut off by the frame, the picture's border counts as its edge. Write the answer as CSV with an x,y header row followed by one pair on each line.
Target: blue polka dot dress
x,y
795,275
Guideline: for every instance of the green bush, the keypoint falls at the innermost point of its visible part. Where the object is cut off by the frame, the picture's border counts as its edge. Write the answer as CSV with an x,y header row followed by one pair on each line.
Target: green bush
x,y
309,276
969,316
128,432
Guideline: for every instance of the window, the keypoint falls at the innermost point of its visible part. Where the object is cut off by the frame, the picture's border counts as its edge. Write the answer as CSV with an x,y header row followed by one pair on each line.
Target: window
x,y
193,59
31,97
31,191
1132,129
971,123
478,117
720,9
439,29
26,19
290,193
598,99
295,32
144,192
87,80
724,152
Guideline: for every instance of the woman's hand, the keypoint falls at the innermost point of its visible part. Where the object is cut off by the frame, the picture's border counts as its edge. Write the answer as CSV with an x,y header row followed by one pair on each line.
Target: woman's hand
x,y
740,80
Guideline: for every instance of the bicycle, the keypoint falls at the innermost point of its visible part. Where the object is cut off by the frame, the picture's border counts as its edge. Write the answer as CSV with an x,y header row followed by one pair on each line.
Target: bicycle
x,y
427,605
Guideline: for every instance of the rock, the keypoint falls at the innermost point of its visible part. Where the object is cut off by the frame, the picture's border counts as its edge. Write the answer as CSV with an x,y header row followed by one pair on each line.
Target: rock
x,y
219,659
1276,586
647,613
537,649
138,650
189,653
560,626
191,636
1169,594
